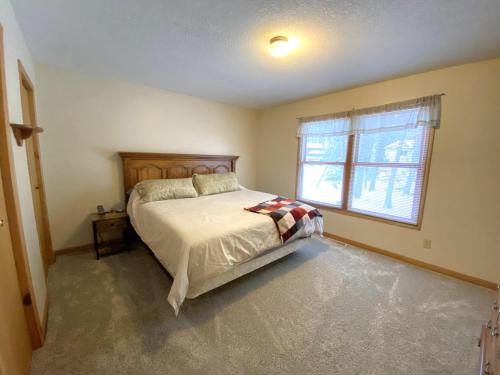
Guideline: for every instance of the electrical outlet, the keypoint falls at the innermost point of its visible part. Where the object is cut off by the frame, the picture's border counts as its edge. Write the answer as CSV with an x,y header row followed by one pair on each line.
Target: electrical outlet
x,y
427,244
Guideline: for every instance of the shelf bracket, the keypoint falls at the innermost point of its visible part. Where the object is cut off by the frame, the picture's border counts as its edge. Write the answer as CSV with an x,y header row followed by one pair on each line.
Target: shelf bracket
x,y
23,131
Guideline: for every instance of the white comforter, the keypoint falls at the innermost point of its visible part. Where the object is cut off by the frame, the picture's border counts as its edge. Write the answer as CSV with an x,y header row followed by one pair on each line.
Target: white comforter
x,y
199,238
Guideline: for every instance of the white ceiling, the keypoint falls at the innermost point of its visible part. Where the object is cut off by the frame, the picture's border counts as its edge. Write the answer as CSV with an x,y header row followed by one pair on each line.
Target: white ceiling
x,y
217,49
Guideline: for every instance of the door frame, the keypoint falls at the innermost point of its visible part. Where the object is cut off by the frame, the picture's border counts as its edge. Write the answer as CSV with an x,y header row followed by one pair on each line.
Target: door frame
x,y
35,171
9,180
15,341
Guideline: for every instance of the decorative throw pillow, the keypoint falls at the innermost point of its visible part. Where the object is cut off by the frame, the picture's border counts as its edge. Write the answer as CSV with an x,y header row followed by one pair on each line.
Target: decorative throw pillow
x,y
158,190
208,184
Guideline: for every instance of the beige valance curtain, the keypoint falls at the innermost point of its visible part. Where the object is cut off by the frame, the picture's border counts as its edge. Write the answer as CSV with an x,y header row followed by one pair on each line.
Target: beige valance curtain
x,y
425,112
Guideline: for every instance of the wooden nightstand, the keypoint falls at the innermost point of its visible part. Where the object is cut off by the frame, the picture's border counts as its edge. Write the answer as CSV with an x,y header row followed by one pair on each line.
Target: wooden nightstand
x,y
115,223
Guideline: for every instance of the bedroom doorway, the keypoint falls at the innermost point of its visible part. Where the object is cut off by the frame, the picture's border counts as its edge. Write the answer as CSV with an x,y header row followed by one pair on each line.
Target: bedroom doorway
x,y
14,269
35,169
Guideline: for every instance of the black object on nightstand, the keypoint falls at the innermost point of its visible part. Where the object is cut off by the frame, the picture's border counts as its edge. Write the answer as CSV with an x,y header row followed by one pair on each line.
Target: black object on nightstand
x,y
113,222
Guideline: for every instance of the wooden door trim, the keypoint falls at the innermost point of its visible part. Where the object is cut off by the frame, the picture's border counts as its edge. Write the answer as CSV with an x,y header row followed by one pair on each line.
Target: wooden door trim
x,y
15,342
13,210
46,248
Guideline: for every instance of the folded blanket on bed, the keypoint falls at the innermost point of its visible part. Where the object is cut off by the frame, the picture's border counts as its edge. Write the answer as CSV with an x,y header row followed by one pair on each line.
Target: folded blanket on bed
x,y
288,215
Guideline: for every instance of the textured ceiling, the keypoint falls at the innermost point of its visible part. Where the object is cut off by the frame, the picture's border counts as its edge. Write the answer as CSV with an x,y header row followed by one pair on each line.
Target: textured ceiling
x,y
217,49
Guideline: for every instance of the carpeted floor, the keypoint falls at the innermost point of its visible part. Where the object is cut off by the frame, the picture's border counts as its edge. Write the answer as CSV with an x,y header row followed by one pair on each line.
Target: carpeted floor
x,y
327,309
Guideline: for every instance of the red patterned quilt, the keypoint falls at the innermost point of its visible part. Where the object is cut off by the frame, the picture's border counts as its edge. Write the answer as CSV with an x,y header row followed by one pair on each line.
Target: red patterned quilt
x,y
288,215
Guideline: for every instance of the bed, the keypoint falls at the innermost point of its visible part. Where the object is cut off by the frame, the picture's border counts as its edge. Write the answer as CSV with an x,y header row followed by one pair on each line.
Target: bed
x,y
207,241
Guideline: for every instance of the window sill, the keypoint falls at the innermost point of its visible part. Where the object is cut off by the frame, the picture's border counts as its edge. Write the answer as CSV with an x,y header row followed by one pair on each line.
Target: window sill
x,y
362,216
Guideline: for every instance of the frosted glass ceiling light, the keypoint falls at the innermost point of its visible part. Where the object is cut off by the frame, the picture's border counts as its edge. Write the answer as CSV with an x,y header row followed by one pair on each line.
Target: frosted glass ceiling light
x,y
280,46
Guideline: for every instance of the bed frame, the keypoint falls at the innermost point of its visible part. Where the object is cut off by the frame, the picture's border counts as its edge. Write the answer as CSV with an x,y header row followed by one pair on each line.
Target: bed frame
x,y
139,166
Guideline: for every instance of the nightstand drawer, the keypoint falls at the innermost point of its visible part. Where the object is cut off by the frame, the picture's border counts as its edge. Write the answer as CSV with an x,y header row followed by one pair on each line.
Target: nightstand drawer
x,y
107,225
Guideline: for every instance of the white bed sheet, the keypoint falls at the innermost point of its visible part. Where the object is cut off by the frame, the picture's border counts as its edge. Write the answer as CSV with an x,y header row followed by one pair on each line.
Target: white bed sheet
x,y
199,238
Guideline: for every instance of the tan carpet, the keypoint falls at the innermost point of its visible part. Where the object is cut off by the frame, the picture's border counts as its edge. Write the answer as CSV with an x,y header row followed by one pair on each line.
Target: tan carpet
x,y
327,309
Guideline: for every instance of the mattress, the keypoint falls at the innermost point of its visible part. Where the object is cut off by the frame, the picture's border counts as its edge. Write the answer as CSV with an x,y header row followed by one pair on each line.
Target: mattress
x,y
197,239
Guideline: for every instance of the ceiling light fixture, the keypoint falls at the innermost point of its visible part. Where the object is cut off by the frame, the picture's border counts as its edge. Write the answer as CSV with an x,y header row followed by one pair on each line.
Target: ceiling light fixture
x,y
280,46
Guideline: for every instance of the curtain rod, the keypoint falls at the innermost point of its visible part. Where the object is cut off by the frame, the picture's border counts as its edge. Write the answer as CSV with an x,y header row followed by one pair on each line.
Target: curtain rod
x,y
303,117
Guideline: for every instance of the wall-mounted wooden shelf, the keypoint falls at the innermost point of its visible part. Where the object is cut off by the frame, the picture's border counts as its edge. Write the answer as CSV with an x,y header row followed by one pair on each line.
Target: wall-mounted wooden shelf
x,y
22,132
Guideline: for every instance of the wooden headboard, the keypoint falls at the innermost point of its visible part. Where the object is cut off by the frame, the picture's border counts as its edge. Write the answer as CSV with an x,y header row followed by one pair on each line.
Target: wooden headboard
x,y
138,166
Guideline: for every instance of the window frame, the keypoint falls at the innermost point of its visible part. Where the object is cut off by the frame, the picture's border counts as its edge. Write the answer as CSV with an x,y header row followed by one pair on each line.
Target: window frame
x,y
348,169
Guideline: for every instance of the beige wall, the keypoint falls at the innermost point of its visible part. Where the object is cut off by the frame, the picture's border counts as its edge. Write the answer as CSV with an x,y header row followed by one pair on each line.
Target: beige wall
x,y
88,119
15,48
462,211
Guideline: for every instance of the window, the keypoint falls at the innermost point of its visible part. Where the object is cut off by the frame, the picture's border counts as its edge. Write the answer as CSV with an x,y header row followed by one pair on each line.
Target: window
x,y
323,164
371,162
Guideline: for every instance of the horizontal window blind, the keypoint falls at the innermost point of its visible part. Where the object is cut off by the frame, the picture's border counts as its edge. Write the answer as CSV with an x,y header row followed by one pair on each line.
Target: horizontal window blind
x,y
321,174
387,174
